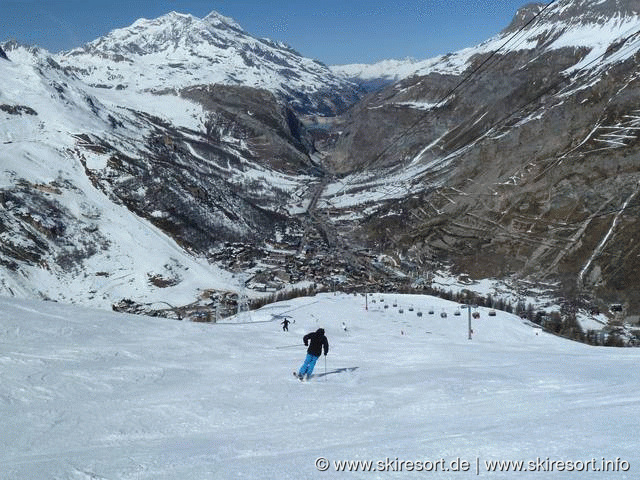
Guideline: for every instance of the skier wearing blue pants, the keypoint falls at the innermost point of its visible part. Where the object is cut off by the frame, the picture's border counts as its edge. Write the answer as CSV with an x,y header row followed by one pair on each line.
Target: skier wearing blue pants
x,y
316,341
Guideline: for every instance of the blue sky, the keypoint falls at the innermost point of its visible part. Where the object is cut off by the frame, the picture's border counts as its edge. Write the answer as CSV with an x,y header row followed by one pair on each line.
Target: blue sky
x,y
332,31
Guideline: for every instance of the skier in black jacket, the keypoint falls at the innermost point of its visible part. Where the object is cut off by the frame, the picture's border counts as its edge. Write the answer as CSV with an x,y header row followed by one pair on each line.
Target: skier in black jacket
x,y
316,341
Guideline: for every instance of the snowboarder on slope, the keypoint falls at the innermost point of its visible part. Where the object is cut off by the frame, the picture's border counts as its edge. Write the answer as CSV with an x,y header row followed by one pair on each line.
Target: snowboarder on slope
x,y
316,342
285,325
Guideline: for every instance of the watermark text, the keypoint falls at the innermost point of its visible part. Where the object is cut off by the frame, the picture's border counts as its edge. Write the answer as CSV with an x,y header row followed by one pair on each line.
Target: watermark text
x,y
476,466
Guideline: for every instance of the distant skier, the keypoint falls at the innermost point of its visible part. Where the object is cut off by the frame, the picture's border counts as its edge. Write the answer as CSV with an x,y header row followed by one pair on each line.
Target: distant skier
x,y
285,325
344,326
316,341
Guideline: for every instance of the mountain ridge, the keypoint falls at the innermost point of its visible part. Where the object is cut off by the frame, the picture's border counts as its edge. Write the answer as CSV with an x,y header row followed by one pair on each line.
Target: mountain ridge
x,y
496,161
606,17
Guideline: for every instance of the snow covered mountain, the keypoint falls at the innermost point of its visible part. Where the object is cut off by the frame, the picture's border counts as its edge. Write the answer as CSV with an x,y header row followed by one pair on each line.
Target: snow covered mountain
x,y
372,77
177,51
148,155
516,158
60,236
109,196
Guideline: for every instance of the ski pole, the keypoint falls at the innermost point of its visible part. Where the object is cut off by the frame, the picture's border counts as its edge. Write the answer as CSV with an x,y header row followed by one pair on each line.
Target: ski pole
x,y
325,367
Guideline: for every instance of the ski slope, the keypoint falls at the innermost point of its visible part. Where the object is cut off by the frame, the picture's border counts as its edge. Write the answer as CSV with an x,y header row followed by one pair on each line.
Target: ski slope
x,y
88,394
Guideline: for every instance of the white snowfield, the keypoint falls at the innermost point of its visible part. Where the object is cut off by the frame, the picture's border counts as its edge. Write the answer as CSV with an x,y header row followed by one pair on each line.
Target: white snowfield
x,y
88,394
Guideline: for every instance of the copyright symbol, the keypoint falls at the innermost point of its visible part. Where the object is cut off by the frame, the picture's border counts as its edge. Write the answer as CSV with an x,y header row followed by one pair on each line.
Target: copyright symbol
x,y
322,464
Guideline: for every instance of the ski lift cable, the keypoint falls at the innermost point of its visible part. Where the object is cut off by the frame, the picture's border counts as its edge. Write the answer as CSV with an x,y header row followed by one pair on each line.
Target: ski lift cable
x,y
491,59
605,213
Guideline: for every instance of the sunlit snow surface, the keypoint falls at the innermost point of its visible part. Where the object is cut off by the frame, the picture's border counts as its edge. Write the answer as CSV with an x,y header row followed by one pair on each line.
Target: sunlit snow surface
x,y
89,394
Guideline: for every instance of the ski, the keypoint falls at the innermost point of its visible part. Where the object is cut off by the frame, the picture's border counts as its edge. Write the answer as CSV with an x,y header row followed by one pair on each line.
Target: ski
x,y
301,378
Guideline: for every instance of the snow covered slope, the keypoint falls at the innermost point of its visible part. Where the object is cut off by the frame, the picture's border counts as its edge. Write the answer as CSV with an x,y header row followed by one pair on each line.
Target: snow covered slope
x,y
88,394
60,236
177,51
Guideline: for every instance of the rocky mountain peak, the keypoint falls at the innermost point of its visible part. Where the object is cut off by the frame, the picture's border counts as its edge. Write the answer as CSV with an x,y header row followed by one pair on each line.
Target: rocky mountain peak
x,y
175,28
145,36
171,32
578,12
575,12
220,21
523,16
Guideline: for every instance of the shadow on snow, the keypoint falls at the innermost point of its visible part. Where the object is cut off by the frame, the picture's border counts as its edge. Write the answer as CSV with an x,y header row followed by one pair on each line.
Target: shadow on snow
x,y
337,370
